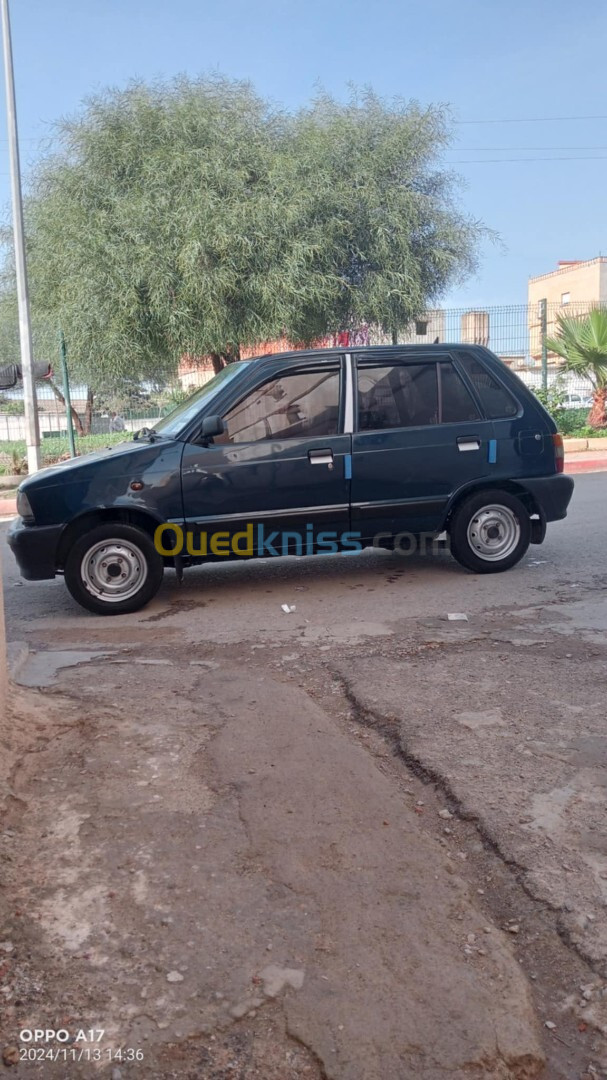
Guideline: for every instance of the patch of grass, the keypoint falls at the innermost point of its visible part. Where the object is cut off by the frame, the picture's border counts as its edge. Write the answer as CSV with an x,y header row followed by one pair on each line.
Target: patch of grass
x,y
587,433
54,449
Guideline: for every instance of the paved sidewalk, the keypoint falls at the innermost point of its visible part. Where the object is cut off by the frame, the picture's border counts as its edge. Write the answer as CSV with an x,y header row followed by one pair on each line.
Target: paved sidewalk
x,y
586,461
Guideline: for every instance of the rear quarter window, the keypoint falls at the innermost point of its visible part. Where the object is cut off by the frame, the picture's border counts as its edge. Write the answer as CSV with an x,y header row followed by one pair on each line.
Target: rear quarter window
x,y
496,400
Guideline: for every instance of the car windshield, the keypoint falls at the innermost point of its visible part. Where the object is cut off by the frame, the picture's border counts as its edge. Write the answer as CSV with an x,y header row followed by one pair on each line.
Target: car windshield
x,y
180,417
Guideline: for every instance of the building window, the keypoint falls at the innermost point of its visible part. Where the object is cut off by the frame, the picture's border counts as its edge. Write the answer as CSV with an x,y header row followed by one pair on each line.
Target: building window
x,y
565,298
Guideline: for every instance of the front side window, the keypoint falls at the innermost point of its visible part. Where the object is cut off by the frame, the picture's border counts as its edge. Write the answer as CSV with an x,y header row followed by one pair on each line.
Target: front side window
x,y
496,400
300,405
399,395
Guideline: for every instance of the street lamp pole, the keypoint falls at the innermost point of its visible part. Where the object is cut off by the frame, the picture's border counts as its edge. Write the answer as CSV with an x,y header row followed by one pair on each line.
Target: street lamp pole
x,y
25,326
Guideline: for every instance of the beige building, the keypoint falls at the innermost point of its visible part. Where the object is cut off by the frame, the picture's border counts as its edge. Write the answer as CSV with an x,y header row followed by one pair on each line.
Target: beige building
x,y
572,289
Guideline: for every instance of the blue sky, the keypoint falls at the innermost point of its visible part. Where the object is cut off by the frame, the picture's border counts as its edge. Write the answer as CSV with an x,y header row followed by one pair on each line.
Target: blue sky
x,y
488,60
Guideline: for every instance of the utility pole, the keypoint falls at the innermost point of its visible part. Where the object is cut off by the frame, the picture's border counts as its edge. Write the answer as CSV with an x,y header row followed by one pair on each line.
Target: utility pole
x,y
32,430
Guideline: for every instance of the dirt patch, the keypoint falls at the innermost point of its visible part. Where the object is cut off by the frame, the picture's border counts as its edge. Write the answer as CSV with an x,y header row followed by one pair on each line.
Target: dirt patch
x,y
213,873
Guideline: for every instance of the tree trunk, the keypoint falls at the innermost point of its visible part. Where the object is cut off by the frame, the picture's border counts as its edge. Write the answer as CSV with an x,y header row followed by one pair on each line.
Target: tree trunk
x,y
597,417
75,417
231,354
88,411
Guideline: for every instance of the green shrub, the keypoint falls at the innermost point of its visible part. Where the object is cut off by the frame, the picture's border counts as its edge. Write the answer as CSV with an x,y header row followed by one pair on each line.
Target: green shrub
x,y
570,421
552,397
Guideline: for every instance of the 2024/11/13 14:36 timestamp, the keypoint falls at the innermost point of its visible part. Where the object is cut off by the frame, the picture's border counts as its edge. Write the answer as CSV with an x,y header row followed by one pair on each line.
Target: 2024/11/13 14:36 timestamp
x,y
80,1053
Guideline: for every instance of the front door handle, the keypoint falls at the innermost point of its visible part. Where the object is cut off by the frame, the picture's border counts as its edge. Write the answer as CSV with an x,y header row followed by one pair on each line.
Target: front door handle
x,y
469,442
320,457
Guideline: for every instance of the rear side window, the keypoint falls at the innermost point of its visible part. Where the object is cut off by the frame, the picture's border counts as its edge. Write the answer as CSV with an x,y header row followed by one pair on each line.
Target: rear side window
x,y
495,399
457,403
401,395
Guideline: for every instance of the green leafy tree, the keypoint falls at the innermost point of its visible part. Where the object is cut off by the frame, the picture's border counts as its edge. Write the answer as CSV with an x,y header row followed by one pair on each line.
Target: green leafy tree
x,y
9,327
582,343
193,217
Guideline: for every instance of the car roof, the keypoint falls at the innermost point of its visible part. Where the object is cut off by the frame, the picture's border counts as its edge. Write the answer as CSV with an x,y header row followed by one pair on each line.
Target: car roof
x,y
424,351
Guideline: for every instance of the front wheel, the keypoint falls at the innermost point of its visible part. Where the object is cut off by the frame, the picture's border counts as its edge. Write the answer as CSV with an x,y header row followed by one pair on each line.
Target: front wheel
x,y
490,532
114,569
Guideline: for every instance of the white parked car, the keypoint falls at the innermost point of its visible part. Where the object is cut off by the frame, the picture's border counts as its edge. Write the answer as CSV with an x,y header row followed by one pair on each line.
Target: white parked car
x,y
577,401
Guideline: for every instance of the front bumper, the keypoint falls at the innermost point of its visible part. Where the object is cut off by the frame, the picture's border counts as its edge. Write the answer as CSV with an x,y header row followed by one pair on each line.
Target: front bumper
x,y
551,493
35,549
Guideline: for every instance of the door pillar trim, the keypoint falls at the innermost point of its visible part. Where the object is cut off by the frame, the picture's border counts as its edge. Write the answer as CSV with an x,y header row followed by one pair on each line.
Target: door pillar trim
x,y
349,396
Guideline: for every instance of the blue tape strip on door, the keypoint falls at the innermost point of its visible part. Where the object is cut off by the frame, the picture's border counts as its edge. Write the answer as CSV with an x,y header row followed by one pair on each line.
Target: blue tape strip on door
x,y
492,456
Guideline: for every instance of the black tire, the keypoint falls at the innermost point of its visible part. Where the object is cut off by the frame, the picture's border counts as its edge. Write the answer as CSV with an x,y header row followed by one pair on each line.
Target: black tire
x,y
471,527
131,565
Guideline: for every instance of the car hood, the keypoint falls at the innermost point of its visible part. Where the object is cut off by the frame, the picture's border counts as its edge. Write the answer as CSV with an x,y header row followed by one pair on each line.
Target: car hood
x,y
72,466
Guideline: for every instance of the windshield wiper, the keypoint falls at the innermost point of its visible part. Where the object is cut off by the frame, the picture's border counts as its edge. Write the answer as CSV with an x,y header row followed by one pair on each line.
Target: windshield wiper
x,y
148,433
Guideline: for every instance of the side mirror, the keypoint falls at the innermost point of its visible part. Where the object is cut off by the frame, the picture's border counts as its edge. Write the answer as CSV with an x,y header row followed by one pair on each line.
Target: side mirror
x,y
211,426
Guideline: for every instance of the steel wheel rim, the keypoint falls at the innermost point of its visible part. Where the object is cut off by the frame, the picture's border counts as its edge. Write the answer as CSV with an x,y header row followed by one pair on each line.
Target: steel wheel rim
x,y
113,570
494,533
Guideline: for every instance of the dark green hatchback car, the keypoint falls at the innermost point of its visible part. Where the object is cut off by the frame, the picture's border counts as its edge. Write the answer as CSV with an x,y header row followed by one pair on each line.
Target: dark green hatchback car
x,y
303,453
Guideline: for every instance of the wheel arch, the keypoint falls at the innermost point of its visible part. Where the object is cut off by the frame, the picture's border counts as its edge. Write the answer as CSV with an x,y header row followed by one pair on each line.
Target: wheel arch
x,y
511,486
100,516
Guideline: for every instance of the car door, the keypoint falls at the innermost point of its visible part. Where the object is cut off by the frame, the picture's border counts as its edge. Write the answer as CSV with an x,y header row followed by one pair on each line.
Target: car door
x,y
281,465
523,440
419,436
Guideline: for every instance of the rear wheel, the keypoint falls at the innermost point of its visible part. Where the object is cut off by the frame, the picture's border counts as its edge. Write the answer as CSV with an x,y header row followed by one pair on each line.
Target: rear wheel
x,y
490,532
113,569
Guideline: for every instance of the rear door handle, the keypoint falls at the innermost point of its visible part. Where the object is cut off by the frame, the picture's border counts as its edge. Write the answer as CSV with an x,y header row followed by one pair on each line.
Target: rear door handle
x,y
320,457
468,442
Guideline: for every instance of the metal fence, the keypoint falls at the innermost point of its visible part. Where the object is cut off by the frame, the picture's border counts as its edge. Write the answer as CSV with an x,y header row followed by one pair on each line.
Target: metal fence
x,y
53,420
517,334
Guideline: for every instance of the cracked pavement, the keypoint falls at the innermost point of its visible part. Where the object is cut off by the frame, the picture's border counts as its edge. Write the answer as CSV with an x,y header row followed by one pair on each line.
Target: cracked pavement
x,y
356,841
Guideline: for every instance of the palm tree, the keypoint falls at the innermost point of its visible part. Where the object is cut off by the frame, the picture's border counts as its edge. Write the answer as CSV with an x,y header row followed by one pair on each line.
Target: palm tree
x,y
582,342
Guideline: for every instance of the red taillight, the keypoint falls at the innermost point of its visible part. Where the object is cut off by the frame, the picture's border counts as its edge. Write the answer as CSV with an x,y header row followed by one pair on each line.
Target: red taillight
x,y
559,452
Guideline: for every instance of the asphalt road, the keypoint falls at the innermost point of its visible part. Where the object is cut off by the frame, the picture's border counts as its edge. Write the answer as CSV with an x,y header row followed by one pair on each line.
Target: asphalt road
x,y
340,598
